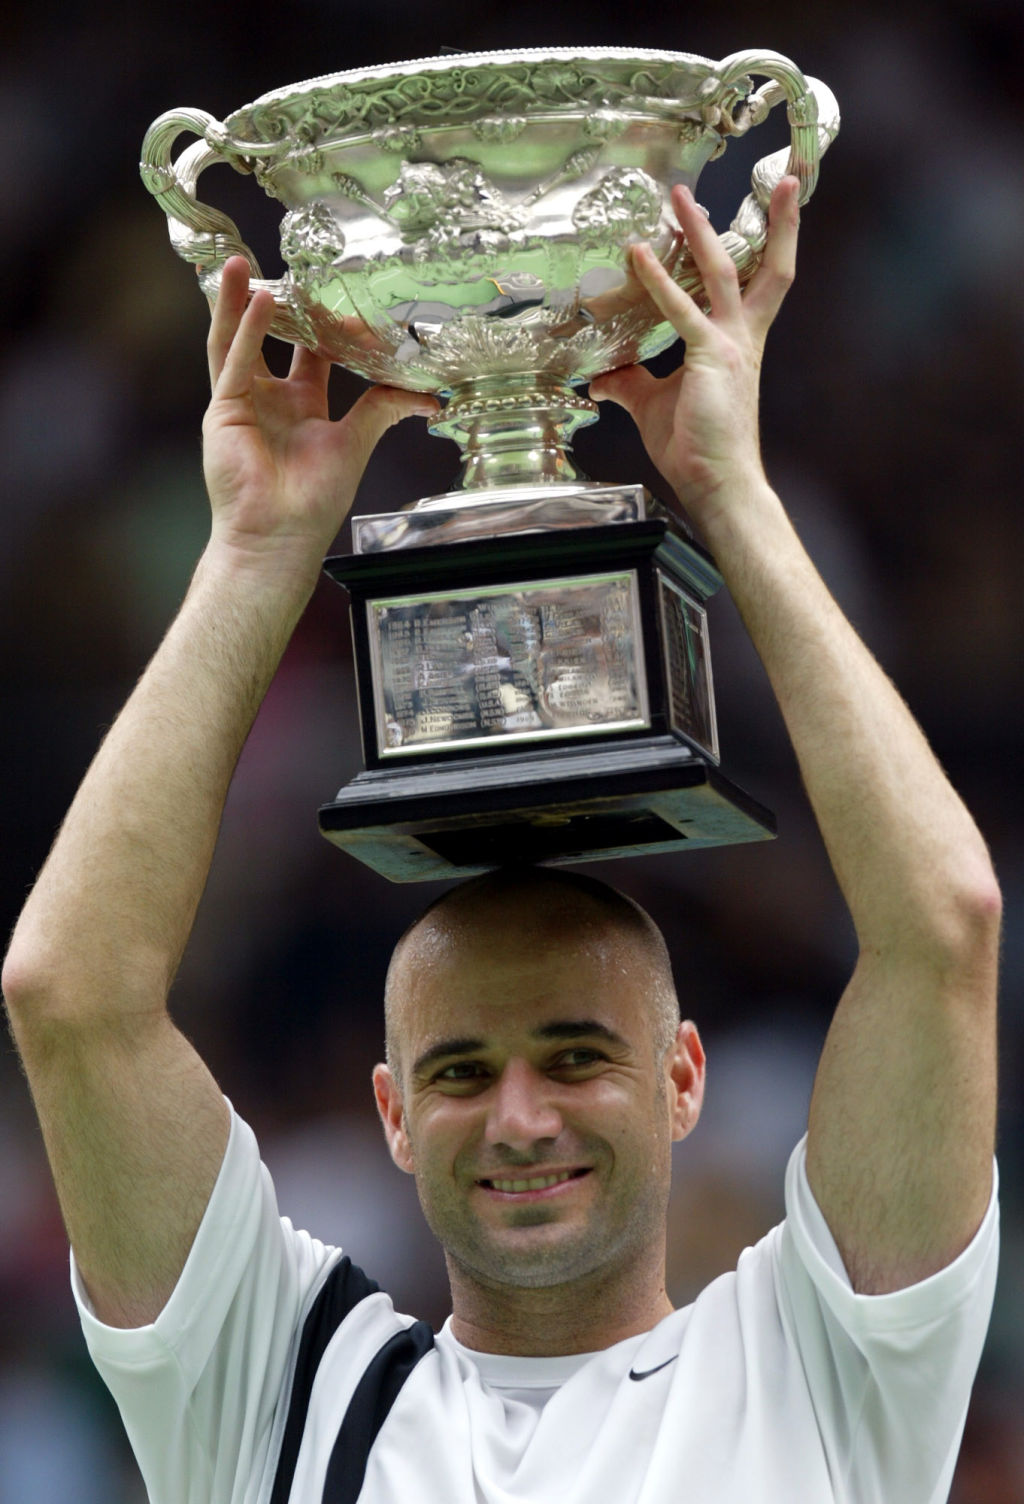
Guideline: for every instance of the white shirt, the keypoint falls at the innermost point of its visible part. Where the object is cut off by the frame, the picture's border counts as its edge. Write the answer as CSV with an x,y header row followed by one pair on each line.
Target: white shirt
x,y
778,1383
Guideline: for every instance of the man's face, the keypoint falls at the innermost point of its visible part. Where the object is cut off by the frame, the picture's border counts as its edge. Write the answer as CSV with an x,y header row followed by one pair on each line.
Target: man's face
x,y
533,1108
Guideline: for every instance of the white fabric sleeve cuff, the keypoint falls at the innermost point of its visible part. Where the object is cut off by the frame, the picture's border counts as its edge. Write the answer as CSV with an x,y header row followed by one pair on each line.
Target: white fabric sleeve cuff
x,y
911,1306
235,1204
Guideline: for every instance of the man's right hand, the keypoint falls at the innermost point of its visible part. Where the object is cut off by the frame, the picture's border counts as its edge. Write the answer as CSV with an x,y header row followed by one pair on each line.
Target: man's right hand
x,y
281,473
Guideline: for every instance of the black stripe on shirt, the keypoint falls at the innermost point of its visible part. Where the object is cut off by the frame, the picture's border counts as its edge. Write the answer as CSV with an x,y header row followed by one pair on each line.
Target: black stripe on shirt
x,y
343,1289
369,1408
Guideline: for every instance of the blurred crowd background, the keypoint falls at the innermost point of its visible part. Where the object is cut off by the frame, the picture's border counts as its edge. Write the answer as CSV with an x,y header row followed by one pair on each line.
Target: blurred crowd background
x,y
892,408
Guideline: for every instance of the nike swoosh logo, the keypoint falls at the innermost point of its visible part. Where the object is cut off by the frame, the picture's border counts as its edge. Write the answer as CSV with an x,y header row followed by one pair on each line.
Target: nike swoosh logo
x,y
648,1371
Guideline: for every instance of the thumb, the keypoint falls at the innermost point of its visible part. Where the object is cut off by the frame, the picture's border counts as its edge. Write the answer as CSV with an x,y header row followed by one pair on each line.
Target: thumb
x,y
628,387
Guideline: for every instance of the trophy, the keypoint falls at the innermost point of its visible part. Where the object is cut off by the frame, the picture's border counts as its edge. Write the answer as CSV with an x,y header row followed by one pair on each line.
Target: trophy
x,y
531,648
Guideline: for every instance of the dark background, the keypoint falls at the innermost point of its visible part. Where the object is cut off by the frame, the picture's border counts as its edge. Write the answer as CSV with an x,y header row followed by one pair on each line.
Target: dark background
x,y
892,405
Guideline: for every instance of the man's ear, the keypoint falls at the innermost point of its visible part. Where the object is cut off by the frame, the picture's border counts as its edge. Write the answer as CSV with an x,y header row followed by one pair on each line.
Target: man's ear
x,y
686,1079
392,1116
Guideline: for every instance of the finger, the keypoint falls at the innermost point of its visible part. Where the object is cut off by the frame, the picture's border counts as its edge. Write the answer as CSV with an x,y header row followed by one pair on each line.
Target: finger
x,y
374,413
672,302
716,267
629,387
226,312
243,360
774,277
305,362
308,366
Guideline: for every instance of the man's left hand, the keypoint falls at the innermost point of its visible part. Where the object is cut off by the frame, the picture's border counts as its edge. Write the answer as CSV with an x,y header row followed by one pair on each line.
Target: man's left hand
x,y
700,424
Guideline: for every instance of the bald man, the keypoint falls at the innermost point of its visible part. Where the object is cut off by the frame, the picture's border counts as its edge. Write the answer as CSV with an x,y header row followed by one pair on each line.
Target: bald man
x,y
512,979
536,1073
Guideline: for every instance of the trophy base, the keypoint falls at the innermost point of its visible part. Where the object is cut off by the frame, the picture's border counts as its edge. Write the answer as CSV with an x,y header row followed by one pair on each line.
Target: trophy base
x,y
634,798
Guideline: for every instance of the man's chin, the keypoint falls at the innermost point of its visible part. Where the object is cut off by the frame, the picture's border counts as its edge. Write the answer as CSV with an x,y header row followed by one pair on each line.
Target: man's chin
x,y
530,1255
532,1216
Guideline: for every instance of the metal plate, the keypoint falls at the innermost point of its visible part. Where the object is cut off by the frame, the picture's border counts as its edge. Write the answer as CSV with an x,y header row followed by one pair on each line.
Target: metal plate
x,y
507,664
691,692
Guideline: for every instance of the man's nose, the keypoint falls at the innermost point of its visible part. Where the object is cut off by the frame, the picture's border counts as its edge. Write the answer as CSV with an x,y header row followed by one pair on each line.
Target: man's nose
x,y
522,1109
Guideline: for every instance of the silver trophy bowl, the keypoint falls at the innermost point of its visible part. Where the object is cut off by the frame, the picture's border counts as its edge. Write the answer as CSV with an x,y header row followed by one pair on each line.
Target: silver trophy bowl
x,y
460,225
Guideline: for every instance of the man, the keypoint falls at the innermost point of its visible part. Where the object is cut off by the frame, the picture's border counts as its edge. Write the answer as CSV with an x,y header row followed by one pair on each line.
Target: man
x,y
536,1074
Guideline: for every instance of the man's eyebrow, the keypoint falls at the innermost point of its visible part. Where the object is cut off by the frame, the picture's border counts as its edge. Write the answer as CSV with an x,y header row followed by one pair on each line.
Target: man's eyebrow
x,y
566,1028
578,1028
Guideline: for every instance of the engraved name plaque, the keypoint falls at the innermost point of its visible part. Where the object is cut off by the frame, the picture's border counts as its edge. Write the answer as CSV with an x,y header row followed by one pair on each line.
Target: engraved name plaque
x,y
511,663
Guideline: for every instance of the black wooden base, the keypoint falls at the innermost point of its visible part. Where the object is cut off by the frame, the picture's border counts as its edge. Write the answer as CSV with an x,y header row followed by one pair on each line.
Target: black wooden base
x,y
443,820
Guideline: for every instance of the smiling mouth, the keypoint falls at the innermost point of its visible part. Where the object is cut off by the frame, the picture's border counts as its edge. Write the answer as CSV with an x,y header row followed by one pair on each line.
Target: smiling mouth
x,y
533,1183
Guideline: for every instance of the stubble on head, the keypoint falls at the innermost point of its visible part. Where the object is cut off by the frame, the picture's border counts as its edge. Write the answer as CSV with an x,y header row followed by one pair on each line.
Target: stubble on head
x,y
536,906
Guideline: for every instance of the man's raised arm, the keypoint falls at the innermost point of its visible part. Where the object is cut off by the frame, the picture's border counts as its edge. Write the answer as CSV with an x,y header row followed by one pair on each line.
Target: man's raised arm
x,y
902,1119
134,1124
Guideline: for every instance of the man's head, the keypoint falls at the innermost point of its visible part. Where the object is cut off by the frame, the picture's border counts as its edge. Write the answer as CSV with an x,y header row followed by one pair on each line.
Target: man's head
x,y
537,1074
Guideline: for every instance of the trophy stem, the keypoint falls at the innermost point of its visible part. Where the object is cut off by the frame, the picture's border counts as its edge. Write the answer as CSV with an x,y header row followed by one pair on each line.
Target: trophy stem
x,y
515,430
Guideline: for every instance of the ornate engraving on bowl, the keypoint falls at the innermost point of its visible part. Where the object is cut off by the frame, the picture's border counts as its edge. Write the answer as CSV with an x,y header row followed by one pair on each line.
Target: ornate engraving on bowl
x,y
625,201
506,129
400,139
602,125
311,242
450,91
426,195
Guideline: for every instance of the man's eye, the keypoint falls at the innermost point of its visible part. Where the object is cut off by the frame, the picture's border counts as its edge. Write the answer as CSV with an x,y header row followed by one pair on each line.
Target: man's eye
x,y
461,1070
578,1059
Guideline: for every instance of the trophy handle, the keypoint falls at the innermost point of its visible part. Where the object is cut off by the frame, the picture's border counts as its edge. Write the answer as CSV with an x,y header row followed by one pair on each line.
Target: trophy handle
x,y
814,123
203,235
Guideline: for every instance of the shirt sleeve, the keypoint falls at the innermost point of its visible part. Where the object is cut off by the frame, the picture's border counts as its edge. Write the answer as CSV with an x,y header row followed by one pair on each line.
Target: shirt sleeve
x,y
890,1375
198,1387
